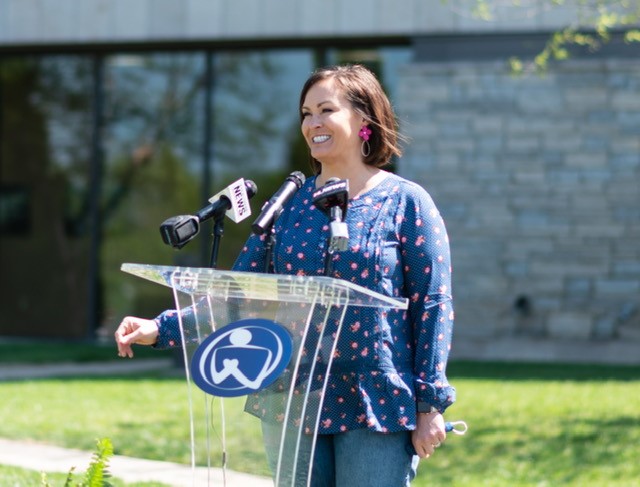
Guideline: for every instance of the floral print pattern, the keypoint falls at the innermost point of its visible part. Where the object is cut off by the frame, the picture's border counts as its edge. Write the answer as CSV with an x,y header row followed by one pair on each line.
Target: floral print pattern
x,y
386,359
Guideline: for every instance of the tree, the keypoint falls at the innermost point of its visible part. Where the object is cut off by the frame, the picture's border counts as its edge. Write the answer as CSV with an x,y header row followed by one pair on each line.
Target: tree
x,y
594,25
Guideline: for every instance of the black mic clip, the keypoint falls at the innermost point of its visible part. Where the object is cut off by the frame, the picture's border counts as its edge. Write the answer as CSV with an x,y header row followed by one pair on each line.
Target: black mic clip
x,y
332,199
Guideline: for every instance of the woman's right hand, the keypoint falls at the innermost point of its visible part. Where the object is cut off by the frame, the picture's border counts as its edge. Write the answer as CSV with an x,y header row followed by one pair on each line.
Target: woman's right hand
x,y
135,330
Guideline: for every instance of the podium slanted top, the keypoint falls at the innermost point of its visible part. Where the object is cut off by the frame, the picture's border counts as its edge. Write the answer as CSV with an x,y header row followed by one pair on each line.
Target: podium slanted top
x,y
270,287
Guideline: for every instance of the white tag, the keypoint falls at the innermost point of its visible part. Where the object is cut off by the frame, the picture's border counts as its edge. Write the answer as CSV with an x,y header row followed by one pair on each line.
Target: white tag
x,y
236,193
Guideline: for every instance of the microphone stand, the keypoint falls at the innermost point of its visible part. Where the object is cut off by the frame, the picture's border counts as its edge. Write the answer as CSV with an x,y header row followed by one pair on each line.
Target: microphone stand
x,y
328,259
268,245
269,242
217,233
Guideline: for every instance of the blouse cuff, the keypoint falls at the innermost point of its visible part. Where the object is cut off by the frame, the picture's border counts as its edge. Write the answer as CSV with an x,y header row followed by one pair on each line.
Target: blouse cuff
x,y
440,397
168,330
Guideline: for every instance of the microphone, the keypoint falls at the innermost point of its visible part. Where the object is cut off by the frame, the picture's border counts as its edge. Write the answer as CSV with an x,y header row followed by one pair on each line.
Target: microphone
x,y
233,201
332,199
335,193
273,207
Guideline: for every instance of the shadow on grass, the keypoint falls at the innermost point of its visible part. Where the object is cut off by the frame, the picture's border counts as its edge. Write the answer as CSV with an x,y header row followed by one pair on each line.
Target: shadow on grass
x,y
574,451
541,371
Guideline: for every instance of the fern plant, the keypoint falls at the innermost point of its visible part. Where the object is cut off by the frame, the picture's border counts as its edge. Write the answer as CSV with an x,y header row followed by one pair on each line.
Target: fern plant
x,y
97,474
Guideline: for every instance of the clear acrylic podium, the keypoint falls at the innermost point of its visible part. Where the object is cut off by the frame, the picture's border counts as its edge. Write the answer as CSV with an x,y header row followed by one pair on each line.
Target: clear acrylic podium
x,y
311,309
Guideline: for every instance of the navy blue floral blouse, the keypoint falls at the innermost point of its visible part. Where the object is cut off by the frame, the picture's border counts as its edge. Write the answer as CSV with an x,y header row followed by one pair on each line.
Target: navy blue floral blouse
x,y
387,360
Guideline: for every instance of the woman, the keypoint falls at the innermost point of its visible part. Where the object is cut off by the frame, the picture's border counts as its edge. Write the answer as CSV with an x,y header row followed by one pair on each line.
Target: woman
x,y
392,389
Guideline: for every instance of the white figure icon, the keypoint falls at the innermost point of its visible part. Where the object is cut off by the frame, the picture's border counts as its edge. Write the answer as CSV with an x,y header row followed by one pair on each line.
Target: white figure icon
x,y
240,340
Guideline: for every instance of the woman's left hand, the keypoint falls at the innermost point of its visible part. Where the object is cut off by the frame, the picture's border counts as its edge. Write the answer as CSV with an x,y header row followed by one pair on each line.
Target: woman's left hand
x,y
429,434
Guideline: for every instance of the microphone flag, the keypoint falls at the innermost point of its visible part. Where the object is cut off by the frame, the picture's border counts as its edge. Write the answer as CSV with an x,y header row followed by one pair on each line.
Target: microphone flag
x,y
236,193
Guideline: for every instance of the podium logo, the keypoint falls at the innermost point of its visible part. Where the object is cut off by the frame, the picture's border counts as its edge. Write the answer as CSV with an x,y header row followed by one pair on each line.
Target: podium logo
x,y
241,358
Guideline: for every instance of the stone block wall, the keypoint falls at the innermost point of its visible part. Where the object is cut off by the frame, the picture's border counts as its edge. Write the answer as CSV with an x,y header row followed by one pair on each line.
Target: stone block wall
x,y
50,22
538,180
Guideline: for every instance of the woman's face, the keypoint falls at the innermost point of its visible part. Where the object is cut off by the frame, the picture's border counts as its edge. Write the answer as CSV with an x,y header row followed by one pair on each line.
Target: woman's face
x,y
330,125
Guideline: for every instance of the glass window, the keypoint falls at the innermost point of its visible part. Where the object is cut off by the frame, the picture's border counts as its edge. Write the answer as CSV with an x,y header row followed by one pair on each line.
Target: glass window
x,y
383,61
153,164
15,210
175,128
45,136
256,127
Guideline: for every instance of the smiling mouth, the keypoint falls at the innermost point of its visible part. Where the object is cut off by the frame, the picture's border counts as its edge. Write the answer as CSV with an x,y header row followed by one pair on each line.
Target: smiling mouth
x,y
319,139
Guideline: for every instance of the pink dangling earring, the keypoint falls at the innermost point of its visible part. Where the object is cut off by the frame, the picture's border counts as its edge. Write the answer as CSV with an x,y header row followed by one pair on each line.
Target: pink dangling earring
x,y
365,148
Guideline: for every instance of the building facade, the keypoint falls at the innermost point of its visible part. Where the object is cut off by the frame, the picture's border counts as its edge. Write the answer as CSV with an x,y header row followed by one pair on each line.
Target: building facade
x,y
116,115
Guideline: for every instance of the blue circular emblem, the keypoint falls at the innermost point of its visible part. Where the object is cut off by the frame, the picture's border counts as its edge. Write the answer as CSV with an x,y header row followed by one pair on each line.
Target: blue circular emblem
x,y
241,358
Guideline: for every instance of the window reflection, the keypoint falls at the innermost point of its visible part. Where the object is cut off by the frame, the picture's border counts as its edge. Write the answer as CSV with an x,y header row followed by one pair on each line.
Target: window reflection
x,y
256,109
384,62
159,158
256,127
15,210
153,141
45,125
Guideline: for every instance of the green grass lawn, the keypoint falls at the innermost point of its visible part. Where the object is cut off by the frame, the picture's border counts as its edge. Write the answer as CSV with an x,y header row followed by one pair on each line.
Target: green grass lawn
x,y
542,426
14,351
144,417
529,425
20,477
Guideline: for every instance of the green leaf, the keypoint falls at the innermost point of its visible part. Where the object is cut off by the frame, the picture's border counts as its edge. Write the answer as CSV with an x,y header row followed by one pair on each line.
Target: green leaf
x,y
632,36
97,473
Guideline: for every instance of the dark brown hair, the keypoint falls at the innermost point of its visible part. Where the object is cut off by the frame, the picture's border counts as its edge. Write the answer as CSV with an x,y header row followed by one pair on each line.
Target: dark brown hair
x,y
362,89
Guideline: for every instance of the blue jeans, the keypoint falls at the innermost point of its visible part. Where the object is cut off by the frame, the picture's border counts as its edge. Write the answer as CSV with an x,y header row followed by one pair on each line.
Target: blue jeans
x,y
358,458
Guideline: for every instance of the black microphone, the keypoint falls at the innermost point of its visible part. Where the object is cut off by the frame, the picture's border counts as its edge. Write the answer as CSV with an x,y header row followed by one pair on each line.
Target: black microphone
x,y
333,199
177,231
273,207
335,193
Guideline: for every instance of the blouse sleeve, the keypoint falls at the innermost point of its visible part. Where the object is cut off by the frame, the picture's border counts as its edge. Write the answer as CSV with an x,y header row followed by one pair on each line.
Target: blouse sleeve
x,y
250,259
427,269
169,327
252,255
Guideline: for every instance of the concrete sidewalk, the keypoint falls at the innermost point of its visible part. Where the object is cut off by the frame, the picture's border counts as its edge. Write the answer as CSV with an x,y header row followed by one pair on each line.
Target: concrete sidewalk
x,y
47,458
69,369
